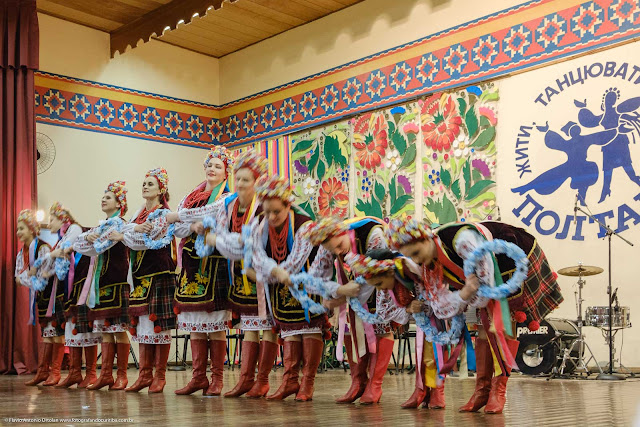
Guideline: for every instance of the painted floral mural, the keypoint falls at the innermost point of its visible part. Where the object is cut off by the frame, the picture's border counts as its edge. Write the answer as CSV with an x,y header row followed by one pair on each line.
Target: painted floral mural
x,y
384,145
320,170
459,154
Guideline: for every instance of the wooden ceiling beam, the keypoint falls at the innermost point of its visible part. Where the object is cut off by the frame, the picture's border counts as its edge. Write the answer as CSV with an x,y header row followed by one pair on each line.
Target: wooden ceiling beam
x,y
154,22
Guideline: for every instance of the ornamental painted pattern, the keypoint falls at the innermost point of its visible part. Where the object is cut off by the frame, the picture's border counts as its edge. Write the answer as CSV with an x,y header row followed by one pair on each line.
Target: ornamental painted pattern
x,y
384,145
459,154
320,170
522,37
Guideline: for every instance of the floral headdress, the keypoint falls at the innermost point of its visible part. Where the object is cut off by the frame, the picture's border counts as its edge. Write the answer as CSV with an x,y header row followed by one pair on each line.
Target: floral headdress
x,y
321,231
402,232
161,175
220,152
118,188
368,267
256,163
29,219
275,187
60,212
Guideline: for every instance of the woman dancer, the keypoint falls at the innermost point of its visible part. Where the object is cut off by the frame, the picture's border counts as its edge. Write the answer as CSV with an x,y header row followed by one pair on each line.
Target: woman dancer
x,y
78,329
44,297
369,347
235,212
201,295
441,256
279,249
154,282
106,290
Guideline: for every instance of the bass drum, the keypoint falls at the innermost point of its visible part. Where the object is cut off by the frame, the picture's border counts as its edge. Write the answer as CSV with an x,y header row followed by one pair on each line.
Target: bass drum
x,y
542,350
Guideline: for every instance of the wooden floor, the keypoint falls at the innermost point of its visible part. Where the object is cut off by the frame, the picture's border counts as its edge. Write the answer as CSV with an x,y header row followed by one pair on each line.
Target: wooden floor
x,y
532,401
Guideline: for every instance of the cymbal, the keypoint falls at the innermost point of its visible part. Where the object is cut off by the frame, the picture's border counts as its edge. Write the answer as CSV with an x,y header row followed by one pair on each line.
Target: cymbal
x,y
580,270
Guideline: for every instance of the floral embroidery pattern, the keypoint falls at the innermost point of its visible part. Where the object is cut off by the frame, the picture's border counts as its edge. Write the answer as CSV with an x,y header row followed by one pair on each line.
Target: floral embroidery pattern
x,y
385,155
320,172
459,155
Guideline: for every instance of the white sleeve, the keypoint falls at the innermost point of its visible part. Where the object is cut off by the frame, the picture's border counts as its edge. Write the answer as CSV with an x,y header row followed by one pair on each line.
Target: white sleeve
x,y
198,214
322,267
135,240
84,247
19,274
228,243
387,309
464,244
261,262
182,230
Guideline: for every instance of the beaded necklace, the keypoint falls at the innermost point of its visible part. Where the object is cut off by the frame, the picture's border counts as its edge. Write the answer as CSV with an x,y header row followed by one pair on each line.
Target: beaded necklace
x,y
278,241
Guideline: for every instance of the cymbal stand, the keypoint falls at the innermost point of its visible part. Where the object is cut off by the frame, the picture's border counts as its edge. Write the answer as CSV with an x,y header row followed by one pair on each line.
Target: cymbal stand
x,y
579,361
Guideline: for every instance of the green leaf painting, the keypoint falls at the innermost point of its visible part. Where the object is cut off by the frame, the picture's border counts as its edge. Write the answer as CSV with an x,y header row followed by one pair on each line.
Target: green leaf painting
x,y
459,155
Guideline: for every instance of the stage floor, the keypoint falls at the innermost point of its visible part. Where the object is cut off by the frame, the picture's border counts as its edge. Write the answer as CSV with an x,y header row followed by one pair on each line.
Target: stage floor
x,y
531,401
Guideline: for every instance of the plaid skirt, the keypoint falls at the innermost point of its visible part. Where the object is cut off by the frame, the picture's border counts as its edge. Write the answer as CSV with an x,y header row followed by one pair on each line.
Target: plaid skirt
x,y
540,294
157,301
114,304
42,306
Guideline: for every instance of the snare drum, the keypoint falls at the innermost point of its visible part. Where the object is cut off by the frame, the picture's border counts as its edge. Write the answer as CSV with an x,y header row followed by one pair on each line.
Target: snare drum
x,y
599,317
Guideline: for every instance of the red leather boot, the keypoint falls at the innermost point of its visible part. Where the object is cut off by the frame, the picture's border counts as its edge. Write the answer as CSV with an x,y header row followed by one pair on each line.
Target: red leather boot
x,y
57,353
292,358
268,353
91,358
359,376
373,391
218,350
419,395
145,376
250,351
199,381
436,398
312,355
43,365
161,357
123,363
484,372
75,368
498,394
106,370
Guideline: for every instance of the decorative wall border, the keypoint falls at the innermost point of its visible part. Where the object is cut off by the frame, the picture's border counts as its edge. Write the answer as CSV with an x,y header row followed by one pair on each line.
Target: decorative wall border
x,y
522,37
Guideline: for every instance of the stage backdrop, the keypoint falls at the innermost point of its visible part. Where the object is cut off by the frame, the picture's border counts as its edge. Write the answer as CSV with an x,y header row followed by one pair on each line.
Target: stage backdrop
x,y
571,131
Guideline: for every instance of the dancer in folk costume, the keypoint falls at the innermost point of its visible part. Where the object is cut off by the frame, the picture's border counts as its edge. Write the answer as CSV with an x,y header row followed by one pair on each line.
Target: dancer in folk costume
x,y
71,275
152,271
200,299
441,255
106,290
232,214
46,302
397,282
369,347
279,250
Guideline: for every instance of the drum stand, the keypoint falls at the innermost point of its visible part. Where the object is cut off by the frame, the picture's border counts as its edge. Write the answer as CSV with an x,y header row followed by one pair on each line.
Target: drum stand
x,y
608,376
579,361
610,340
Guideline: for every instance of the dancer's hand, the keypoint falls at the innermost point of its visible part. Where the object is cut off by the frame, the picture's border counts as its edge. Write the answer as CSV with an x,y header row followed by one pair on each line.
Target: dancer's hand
x,y
351,289
211,239
91,237
251,274
281,275
197,228
32,271
56,253
334,303
116,236
470,287
415,307
145,227
172,217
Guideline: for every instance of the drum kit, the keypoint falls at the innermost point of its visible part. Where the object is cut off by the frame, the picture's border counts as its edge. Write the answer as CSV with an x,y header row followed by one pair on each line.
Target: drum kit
x,y
558,347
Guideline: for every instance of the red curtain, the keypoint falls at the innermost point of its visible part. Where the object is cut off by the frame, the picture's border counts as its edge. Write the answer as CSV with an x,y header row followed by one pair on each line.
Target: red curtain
x,y
19,41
